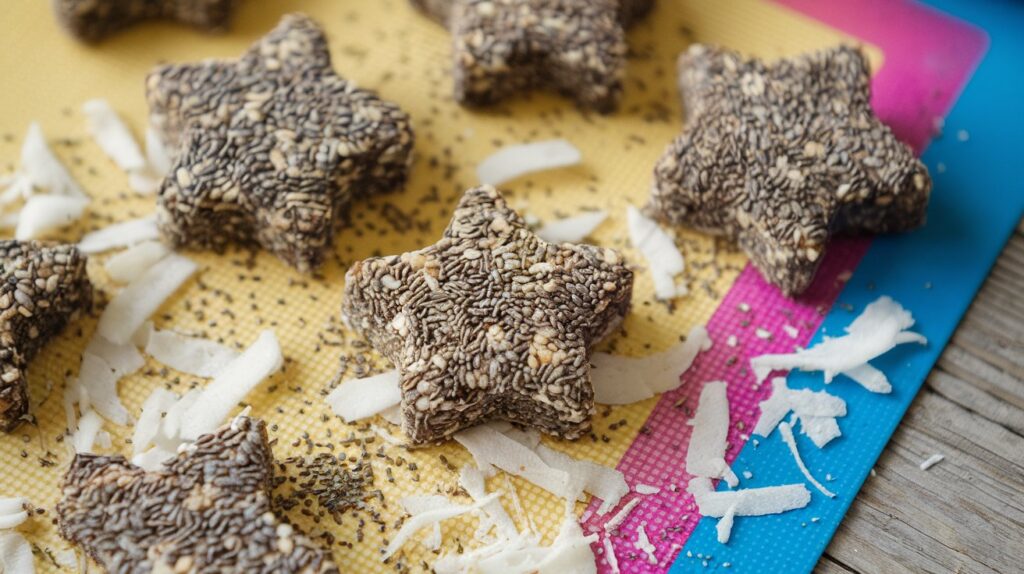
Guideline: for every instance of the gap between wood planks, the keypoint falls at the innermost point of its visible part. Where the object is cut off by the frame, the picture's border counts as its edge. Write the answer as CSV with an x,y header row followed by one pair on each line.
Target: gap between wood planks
x,y
965,514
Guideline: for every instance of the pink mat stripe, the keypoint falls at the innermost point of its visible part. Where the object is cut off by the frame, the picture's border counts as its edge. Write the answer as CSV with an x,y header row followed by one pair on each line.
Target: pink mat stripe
x,y
925,68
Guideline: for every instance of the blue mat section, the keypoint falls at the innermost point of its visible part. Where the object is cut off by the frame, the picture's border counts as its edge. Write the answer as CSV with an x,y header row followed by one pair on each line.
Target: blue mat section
x,y
976,204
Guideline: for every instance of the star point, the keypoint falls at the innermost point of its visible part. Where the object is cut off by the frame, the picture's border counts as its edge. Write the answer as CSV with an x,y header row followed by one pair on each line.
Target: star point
x,y
93,20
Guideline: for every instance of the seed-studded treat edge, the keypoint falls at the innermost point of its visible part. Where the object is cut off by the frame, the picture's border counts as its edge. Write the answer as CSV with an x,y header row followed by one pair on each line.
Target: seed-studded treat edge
x,y
45,286
781,157
93,20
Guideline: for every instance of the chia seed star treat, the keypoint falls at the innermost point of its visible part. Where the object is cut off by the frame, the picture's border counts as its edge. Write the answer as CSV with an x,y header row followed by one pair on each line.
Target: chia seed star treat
x,y
781,157
490,322
270,148
577,47
93,20
207,511
44,286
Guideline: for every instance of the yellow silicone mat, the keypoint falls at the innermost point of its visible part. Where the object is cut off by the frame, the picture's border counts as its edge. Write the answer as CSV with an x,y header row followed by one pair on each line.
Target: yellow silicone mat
x,y
386,46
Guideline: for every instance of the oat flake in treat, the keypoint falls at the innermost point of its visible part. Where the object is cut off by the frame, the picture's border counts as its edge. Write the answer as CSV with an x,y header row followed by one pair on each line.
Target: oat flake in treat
x,y
781,157
43,287
577,47
270,148
207,511
93,20
490,322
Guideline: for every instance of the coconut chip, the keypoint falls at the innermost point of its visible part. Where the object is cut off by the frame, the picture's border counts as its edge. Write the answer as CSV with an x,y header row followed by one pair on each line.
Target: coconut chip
x,y
191,355
15,554
643,544
100,382
816,410
430,517
617,519
745,502
471,479
12,511
495,448
130,308
262,359
40,169
609,555
128,265
932,461
624,380
357,399
603,482
881,326
123,234
664,260
113,136
44,213
153,410
572,229
514,161
84,437
646,489
787,436
705,455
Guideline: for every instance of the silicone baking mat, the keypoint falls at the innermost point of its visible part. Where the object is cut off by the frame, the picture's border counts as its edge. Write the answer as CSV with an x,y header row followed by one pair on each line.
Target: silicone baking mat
x,y
924,59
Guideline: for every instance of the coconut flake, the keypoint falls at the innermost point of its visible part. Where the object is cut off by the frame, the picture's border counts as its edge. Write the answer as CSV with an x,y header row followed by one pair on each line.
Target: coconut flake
x,y
191,355
664,260
497,449
878,329
646,489
514,161
123,360
572,229
40,169
428,518
123,234
12,511
357,399
624,380
617,519
113,136
605,483
816,410
705,455
643,544
130,308
747,501
790,440
148,426
471,479
723,529
84,437
128,265
932,461
15,554
100,381
44,213
262,359
609,554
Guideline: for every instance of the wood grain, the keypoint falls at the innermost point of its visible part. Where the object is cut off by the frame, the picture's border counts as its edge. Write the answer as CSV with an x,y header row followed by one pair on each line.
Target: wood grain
x,y
965,514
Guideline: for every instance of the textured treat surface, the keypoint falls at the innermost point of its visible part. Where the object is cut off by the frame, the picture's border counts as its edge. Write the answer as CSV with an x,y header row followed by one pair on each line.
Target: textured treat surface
x,y
780,157
44,287
208,511
269,149
93,20
491,321
577,47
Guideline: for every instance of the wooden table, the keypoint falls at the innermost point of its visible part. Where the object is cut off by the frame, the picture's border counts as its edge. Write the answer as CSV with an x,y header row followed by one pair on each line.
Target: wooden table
x,y
965,514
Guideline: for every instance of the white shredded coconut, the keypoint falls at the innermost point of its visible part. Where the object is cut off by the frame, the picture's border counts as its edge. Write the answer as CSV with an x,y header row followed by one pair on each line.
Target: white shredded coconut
x,y
123,234
44,213
881,326
790,440
128,265
501,451
514,161
39,170
646,489
623,380
191,355
427,518
705,456
664,261
609,555
572,229
932,461
643,544
357,399
617,519
113,136
133,305
816,410
15,554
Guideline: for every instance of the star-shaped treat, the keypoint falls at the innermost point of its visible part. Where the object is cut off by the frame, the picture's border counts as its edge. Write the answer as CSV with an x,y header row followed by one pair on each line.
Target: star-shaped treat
x,y
577,47
270,148
92,20
44,287
490,321
207,511
781,157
